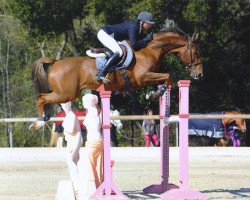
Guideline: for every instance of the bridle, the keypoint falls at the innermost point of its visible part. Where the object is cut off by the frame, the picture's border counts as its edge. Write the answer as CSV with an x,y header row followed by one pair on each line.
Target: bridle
x,y
191,66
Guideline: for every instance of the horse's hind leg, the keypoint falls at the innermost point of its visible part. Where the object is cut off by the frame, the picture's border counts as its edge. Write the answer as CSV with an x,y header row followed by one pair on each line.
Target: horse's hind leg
x,y
51,98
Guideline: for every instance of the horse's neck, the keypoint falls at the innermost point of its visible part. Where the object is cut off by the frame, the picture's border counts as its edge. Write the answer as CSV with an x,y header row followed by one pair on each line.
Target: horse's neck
x,y
178,44
171,43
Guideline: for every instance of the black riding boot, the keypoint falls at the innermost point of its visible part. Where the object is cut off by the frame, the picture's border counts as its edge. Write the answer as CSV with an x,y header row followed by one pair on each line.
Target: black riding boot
x,y
101,75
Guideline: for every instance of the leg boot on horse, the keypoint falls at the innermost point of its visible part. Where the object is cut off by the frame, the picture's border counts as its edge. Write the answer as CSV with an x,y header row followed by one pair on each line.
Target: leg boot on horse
x,y
101,75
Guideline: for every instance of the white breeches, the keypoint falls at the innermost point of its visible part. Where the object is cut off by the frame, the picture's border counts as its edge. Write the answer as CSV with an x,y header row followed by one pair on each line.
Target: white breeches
x,y
109,41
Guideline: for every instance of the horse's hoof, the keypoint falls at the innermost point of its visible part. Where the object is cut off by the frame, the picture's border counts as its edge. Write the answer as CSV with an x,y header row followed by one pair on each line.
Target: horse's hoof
x,y
148,95
151,95
36,125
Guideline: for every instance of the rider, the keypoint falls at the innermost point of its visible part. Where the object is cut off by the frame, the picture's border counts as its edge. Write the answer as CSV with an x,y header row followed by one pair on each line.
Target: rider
x,y
131,30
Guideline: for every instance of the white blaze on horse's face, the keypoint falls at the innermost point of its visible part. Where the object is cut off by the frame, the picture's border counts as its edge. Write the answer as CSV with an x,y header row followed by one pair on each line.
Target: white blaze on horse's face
x,y
242,125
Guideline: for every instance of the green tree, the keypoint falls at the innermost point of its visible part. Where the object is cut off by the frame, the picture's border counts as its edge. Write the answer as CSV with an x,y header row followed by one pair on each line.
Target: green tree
x,y
49,17
224,49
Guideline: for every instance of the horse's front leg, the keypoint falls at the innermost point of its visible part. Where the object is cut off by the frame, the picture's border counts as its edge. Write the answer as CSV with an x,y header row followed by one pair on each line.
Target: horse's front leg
x,y
152,77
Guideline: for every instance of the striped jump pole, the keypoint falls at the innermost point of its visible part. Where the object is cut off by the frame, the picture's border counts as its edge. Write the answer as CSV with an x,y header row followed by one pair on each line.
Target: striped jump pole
x,y
164,108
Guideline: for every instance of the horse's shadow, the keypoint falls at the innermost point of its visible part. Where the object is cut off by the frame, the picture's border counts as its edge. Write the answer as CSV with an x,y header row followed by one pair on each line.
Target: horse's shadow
x,y
139,195
236,193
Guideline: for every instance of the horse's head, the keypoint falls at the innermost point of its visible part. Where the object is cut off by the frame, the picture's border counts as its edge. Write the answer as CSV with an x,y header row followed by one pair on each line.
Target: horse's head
x,y
177,42
239,122
189,55
117,123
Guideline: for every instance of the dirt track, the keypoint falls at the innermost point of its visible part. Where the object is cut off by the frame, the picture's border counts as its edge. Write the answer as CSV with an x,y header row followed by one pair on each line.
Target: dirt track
x,y
33,173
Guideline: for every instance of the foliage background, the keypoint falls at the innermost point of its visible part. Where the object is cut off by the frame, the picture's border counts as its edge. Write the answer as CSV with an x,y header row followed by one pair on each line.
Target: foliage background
x,y
61,28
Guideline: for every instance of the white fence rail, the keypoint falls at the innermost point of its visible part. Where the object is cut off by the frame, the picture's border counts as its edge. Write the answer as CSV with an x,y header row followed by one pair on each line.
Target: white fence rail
x,y
172,118
136,117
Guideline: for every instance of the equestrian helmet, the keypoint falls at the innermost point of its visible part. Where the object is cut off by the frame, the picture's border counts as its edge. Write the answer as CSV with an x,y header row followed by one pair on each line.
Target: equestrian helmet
x,y
146,17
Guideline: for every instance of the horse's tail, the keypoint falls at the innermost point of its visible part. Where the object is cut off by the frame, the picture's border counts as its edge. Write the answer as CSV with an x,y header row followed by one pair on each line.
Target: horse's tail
x,y
40,69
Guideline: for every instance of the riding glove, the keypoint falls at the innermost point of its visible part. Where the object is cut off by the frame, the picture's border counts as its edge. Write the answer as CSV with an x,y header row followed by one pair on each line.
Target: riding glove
x,y
149,37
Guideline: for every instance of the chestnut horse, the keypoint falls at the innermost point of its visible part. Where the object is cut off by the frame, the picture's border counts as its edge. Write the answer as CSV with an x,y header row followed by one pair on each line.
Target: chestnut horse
x,y
58,81
239,122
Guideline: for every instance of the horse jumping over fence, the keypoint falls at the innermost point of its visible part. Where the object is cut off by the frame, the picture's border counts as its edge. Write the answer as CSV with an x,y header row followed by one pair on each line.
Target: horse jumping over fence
x,y
215,131
58,81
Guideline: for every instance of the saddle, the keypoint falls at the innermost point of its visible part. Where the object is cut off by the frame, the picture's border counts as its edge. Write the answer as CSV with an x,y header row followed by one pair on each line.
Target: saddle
x,y
106,52
102,55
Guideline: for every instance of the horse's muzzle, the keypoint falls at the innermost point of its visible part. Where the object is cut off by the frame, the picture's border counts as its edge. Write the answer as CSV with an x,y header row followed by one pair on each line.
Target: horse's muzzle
x,y
199,76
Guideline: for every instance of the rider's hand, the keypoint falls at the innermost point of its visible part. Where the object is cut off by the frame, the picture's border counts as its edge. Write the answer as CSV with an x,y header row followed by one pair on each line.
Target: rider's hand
x,y
149,37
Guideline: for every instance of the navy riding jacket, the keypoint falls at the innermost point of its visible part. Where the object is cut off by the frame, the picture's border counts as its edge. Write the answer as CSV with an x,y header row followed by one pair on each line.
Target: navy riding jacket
x,y
127,30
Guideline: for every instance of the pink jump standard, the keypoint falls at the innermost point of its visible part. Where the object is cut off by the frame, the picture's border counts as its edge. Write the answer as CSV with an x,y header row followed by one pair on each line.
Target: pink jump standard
x,y
107,190
164,107
171,191
183,192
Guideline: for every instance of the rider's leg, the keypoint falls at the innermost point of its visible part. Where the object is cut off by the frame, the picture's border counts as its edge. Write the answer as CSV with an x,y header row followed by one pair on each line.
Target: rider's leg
x,y
111,61
109,42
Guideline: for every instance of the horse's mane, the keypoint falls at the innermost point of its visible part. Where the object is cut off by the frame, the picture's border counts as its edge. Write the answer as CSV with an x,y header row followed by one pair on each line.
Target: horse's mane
x,y
170,26
233,112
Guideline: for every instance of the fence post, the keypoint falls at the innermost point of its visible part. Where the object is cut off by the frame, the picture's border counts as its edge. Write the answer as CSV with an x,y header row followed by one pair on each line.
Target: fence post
x,y
107,190
183,192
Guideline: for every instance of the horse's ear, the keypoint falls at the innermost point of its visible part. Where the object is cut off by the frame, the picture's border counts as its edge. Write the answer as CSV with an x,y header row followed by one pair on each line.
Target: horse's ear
x,y
194,37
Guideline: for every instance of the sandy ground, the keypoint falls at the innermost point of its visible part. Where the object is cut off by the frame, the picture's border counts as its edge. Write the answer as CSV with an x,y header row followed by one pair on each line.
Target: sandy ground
x,y
33,173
